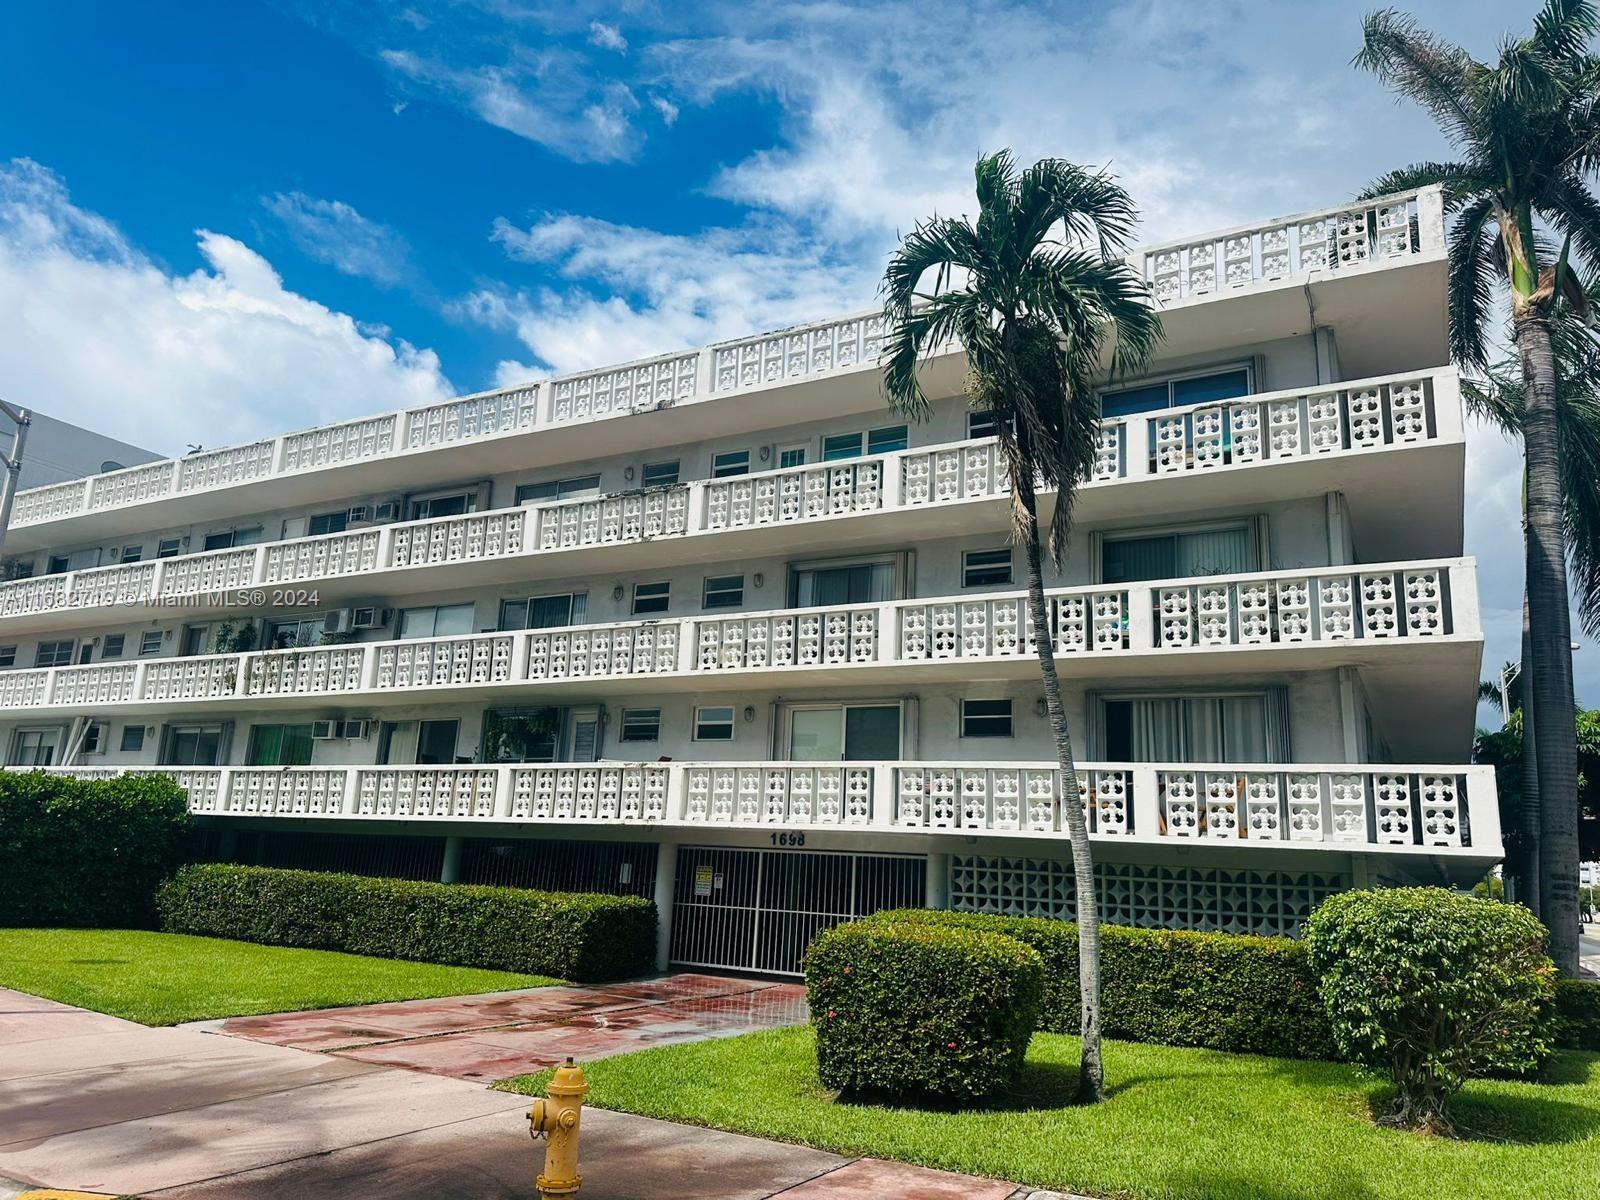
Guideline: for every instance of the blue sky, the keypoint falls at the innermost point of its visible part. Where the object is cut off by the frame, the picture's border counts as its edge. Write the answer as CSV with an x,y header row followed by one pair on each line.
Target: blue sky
x,y
220,221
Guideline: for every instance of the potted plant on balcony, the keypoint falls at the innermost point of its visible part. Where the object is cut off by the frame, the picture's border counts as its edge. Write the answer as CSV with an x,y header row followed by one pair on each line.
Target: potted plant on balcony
x,y
1034,290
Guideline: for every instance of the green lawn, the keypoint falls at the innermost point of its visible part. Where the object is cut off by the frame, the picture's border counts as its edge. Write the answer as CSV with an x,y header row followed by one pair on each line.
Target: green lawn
x,y
164,978
1179,1124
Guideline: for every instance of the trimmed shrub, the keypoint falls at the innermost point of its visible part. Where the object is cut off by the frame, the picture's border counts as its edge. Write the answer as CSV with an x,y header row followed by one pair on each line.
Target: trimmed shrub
x,y
1220,991
87,852
920,1010
1434,986
1577,1024
571,935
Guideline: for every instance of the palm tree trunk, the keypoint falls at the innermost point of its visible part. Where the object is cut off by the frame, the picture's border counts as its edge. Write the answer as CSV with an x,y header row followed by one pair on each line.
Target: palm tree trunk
x,y
1091,1068
1528,817
1550,698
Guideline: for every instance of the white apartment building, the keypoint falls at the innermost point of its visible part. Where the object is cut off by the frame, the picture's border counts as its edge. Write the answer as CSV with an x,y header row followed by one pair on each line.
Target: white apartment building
x,y
719,628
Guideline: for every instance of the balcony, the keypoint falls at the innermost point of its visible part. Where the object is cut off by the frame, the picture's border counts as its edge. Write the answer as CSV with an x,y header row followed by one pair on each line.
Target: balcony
x,y
1411,627
1373,271
1271,446
1446,814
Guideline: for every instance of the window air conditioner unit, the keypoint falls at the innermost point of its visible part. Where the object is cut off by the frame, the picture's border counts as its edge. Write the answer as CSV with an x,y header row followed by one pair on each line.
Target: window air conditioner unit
x,y
355,731
324,731
359,514
338,621
389,510
369,618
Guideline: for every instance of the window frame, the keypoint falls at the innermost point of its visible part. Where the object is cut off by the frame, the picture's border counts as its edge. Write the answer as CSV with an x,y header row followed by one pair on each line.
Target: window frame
x,y
8,655
564,489
138,746
985,417
169,547
55,643
701,724
967,567
400,621
707,591
144,641
1247,365
341,515
677,473
1256,526
639,717
721,470
1009,717
665,597
106,640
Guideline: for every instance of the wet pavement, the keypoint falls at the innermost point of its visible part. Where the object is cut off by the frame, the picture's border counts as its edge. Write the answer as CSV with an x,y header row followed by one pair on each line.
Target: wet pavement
x,y
484,1038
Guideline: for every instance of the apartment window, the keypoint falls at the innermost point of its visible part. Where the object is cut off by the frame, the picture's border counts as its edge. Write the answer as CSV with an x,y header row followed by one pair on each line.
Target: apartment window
x,y
8,656
150,642
730,462
544,612
986,568
986,718
844,732
53,654
196,639
982,424
300,631
521,734
168,547
660,474
1240,727
792,456
113,644
229,538
559,489
641,724
452,505
279,746
443,620
1179,553
132,554
35,747
85,654
713,724
724,591
59,564
1199,387
877,441
193,745
132,739
332,522
94,739
651,597
842,583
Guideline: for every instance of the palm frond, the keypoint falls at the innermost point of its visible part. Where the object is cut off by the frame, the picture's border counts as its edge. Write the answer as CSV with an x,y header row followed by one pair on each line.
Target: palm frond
x,y
1473,274
1575,213
1435,73
1460,182
1562,29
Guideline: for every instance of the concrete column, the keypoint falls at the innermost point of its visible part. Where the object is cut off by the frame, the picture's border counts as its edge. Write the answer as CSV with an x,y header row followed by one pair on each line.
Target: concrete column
x,y
666,884
938,889
451,872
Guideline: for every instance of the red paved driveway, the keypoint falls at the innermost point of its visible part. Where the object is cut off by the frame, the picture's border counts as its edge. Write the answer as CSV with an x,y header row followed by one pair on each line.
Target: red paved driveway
x,y
512,1033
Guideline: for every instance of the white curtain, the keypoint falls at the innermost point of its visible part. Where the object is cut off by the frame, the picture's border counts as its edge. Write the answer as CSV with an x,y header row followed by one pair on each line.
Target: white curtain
x,y
1217,552
1158,731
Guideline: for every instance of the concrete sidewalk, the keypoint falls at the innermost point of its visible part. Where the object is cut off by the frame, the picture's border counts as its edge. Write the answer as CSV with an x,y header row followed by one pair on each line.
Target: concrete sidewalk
x,y
94,1103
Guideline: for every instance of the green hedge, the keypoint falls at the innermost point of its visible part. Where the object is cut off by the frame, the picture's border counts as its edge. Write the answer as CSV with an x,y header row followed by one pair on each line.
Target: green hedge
x,y
87,852
1577,1014
579,936
914,1010
1221,991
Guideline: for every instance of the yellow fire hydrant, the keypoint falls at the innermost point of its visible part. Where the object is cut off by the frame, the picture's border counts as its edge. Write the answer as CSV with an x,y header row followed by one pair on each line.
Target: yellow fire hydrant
x,y
556,1119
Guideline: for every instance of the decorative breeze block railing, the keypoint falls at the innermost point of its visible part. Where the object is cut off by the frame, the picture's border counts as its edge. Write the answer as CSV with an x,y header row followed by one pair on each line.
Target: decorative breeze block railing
x,y
443,662
320,669
427,792
24,689
331,444
296,792
768,794
798,352
39,594
50,503
590,792
322,557
795,494
479,416
201,678
107,683
458,539
608,520
634,388
601,651
978,796
968,471
220,468
210,571
132,486
1330,241
130,583
1000,627
828,637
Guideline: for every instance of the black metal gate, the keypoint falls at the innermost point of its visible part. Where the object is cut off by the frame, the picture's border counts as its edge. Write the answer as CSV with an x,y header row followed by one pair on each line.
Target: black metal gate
x,y
757,910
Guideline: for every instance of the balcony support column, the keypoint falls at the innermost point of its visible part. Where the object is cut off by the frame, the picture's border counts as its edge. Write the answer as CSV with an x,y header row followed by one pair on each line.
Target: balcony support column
x,y
938,886
666,886
450,872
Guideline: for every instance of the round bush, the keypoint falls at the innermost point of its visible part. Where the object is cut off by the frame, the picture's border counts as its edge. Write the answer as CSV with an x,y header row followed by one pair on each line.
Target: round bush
x,y
1434,986
921,1010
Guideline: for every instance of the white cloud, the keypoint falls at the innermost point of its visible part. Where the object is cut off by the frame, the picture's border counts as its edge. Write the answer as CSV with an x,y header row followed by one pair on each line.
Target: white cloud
x,y
667,109
548,97
100,335
637,291
607,37
333,232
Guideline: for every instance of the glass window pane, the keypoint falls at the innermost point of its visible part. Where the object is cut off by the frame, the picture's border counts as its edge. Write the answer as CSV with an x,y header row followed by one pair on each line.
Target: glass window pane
x,y
1215,552
887,439
986,568
871,732
529,493
713,724
513,614
816,735
451,619
549,612
730,462
416,622
982,424
1148,398
1205,389
1128,560
841,445
661,474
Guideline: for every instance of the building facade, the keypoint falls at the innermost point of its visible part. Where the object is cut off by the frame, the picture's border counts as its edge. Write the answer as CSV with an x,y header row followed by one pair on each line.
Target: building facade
x,y
58,451
720,629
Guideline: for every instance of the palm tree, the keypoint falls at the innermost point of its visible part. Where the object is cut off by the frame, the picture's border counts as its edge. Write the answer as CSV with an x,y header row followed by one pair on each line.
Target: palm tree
x,y
1033,291
1527,132
1500,397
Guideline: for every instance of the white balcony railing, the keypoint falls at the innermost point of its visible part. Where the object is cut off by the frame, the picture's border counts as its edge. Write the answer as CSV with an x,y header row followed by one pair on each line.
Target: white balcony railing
x,y
1347,418
1381,232
1428,808
1391,602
